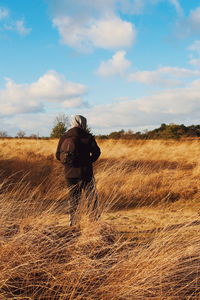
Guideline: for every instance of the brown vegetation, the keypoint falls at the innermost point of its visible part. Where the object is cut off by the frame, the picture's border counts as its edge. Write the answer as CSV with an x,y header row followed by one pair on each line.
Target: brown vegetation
x,y
145,246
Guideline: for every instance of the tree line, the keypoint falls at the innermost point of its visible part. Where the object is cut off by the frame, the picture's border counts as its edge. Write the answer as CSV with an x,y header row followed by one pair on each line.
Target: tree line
x,y
165,131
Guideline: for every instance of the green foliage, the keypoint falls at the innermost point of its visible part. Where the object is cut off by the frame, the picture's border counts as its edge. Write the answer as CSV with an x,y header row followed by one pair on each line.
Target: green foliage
x,y
102,137
165,131
61,124
58,130
171,131
116,134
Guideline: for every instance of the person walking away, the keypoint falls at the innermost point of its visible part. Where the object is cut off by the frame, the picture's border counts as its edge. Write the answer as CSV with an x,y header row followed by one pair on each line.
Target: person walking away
x,y
78,150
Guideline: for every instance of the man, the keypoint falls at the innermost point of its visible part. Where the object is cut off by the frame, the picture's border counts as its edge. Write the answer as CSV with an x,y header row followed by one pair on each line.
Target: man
x,y
79,171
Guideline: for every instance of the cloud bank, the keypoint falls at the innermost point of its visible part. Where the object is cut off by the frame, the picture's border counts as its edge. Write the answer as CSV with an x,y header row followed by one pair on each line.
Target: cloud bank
x,y
174,105
180,105
163,77
52,87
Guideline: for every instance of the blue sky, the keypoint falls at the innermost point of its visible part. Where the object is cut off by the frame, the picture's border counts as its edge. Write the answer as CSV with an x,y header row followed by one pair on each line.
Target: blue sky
x,y
130,64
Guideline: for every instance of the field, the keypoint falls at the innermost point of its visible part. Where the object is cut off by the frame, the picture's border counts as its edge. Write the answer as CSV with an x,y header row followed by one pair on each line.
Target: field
x,y
146,244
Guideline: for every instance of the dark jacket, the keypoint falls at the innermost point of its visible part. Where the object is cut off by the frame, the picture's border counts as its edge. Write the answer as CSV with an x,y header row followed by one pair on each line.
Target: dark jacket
x,y
89,152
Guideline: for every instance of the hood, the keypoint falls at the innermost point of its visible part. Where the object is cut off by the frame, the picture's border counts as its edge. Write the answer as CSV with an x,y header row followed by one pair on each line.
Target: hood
x,y
79,121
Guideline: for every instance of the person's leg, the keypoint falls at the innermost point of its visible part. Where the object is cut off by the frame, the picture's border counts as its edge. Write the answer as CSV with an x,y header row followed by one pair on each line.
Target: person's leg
x,y
92,198
74,198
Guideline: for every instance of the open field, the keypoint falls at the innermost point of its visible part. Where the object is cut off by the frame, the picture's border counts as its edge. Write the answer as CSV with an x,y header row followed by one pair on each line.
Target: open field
x,y
145,246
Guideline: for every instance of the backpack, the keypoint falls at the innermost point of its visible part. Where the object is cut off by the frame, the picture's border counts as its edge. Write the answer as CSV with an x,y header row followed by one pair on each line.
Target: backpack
x,y
70,153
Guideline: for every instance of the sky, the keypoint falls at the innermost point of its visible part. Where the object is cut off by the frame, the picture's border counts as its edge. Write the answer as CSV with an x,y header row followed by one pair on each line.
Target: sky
x,y
123,64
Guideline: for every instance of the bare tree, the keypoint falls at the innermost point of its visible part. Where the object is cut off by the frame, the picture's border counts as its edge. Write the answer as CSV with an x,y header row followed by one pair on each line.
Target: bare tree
x,y
3,134
21,134
34,136
62,118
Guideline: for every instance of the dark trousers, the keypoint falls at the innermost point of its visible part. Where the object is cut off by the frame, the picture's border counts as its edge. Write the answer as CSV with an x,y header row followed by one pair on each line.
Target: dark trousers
x,y
76,186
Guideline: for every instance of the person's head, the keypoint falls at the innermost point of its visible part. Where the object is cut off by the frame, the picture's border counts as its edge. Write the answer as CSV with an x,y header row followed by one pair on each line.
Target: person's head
x,y
79,121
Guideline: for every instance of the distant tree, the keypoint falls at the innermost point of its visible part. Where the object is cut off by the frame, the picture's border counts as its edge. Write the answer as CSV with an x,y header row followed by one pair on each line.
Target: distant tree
x,y
63,119
61,124
172,131
102,137
3,134
165,131
128,135
34,136
163,126
21,134
116,134
193,131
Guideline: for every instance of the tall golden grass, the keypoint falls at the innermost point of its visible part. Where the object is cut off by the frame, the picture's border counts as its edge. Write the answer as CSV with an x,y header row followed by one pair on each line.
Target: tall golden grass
x,y
146,244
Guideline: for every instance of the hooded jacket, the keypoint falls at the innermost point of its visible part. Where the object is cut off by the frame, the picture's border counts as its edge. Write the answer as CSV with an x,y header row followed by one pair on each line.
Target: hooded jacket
x,y
89,152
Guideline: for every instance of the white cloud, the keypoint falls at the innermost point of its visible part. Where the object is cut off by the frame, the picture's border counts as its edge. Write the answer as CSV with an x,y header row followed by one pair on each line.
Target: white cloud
x,y
31,123
180,105
175,105
195,62
21,28
17,26
190,25
15,99
49,88
117,65
112,33
195,47
4,13
73,102
177,6
194,18
84,25
195,53
108,33
165,76
9,24
55,87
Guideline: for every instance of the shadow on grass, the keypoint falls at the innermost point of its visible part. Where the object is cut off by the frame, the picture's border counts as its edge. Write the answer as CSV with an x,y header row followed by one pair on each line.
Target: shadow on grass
x,y
43,167
146,193
165,229
143,166
49,173
33,172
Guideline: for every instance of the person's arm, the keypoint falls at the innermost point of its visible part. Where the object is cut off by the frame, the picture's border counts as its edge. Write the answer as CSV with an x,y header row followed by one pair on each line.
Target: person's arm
x,y
59,147
95,151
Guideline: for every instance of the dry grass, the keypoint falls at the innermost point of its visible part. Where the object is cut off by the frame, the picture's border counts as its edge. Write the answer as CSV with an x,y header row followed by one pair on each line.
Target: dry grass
x,y
145,246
